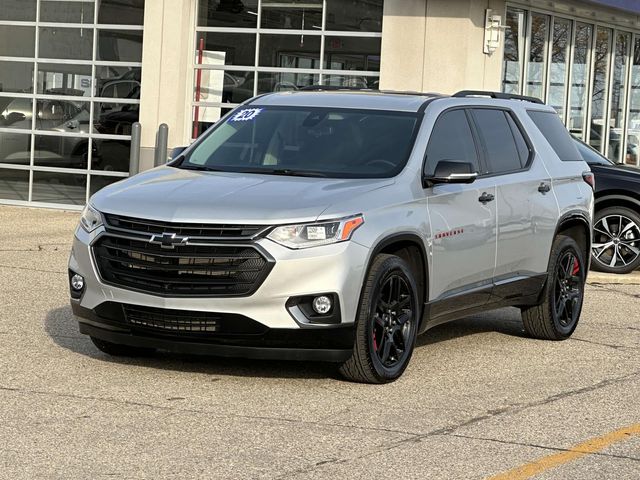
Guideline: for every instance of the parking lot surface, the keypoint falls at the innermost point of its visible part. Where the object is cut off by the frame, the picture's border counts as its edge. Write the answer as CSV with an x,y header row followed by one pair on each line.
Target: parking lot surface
x,y
479,399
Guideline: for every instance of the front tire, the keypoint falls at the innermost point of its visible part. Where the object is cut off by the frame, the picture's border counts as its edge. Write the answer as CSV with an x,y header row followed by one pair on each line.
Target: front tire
x,y
557,316
387,323
118,350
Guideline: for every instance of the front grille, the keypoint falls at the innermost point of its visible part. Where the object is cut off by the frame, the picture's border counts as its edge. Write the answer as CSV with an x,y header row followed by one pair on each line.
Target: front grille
x,y
186,270
218,231
168,321
172,320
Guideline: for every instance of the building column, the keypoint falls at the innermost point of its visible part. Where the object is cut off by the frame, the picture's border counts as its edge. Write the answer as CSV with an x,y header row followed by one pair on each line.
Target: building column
x,y
403,34
437,46
167,57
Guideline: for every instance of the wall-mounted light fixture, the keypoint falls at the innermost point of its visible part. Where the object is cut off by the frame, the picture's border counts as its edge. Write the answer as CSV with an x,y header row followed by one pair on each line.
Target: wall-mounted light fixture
x,y
493,29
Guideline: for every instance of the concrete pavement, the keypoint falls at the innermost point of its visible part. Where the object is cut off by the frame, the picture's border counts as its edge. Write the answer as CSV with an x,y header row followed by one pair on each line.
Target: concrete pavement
x,y
479,399
611,279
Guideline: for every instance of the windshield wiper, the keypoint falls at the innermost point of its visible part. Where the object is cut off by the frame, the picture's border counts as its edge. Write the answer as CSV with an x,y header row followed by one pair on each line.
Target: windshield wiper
x,y
264,171
287,172
200,168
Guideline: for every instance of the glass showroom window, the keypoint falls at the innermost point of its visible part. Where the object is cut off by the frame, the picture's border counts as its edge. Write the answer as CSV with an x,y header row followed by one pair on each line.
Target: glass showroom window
x,y
69,91
633,122
514,51
559,66
247,48
618,93
537,59
590,73
600,88
580,70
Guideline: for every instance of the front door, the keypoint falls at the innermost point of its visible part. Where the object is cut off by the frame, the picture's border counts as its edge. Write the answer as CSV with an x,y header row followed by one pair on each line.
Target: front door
x,y
463,221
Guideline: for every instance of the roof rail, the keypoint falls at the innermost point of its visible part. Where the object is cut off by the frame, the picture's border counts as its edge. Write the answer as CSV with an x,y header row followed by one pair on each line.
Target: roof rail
x,y
409,92
318,88
497,95
337,88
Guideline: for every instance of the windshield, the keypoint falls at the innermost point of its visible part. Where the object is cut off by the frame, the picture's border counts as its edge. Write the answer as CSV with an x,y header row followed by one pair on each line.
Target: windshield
x,y
305,141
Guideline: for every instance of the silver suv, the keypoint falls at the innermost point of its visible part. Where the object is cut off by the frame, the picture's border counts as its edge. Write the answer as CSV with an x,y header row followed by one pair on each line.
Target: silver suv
x,y
339,225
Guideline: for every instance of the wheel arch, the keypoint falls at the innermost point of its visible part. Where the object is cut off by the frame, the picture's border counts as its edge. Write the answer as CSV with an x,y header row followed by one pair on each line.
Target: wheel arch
x,y
577,226
410,247
617,200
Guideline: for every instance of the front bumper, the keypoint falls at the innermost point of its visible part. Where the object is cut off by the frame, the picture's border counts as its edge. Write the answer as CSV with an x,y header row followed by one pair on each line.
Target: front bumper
x,y
329,344
337,269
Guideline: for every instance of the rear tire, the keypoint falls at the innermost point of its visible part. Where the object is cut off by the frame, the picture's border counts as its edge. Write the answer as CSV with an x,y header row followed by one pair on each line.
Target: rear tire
x,y
386,325
118,350
557,316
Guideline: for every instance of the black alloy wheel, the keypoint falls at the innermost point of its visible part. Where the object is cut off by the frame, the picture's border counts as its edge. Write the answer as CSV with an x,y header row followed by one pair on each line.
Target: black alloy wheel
x,y
387,323
558,314
392,325
567,298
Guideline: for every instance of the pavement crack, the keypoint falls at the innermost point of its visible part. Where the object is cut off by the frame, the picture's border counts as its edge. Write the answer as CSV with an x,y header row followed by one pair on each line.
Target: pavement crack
x,y
619,327
199,411
579,391
591,342
544,447
620,292
41,247
515,408
31,269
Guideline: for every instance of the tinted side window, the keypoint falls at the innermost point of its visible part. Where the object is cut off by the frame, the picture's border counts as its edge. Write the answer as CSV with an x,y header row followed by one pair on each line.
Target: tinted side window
x,y
451,140
556,134
498,139
521,143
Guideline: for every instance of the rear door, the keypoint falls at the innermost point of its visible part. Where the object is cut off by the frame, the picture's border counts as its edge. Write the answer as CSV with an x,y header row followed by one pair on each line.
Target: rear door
x,y
526,207
463,221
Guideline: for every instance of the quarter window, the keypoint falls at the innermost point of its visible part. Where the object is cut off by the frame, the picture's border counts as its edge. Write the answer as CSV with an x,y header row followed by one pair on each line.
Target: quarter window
x,y
451,140
556,134
499,140
521,143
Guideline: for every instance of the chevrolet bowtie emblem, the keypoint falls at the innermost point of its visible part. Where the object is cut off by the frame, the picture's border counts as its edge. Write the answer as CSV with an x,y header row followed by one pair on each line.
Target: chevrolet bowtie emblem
x,y
168,240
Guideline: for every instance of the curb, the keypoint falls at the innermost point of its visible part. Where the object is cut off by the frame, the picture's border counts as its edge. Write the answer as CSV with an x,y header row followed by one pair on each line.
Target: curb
x,y
613,279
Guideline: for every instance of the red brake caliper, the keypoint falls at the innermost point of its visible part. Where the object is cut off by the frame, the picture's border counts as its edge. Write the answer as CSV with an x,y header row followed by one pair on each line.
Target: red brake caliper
x,y
576,267
375,342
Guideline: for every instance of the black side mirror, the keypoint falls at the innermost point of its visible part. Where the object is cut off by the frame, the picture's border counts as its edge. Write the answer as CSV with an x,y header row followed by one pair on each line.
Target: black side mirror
x,y
175,153
450,172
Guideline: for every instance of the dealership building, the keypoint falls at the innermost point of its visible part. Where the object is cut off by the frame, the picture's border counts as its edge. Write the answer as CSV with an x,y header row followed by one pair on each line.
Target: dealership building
x,y
75,74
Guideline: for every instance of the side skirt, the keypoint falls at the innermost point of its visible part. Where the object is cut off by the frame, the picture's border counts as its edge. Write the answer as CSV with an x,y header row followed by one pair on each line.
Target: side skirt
x,y
520,291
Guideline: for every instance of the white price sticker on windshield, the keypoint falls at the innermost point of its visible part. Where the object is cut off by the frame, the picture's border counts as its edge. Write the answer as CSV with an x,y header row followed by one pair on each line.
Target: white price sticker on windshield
x,y
245,115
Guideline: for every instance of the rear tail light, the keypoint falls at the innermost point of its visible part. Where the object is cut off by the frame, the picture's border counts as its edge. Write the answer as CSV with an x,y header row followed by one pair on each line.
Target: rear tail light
x,y
590,178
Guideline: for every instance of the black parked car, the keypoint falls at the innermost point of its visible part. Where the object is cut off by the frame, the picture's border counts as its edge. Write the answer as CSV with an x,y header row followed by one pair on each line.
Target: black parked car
x,y
616,235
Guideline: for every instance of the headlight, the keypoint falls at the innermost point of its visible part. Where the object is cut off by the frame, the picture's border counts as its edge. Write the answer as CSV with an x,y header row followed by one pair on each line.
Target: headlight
x,y
315,234
90,219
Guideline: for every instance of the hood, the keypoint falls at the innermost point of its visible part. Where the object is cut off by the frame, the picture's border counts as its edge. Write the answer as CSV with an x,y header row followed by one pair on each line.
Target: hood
x,y
175,195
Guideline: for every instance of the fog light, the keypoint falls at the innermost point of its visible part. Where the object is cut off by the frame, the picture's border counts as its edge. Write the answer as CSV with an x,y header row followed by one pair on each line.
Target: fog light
x,y
77,282
322,305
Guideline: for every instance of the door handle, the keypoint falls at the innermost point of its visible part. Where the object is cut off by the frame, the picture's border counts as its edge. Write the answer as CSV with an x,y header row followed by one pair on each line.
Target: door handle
x,y
544,188
486,198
